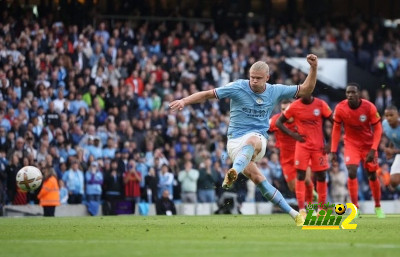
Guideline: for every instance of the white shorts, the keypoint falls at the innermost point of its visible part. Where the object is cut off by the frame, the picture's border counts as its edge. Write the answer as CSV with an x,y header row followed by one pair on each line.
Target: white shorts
x,y
395,169
235,145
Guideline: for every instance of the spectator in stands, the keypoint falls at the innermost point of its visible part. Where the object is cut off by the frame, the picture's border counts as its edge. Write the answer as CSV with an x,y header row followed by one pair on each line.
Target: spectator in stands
x,y
94,182
337,179
109,68
74,181
188,179
63,192
208,178
166,181
14,194
3,179
151,186
49,194
164,205
132,179
113,188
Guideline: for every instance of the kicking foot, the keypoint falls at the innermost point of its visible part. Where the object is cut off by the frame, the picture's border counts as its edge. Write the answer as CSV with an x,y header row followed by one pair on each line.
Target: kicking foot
x,y
299,220
379,213
230,177
303,213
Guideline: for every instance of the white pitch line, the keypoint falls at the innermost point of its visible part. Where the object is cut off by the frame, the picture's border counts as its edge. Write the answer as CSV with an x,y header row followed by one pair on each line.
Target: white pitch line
x,y
107,241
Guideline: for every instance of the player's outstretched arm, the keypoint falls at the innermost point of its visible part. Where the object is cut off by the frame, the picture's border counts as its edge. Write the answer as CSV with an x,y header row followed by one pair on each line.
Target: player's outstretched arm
x,y
376,140
279,123
335,138
198,97
309,84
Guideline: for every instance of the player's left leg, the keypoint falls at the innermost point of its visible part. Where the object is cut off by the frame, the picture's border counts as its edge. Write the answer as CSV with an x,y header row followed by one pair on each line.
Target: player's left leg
x,y
321,186
375,185
250,148
310,192
270,192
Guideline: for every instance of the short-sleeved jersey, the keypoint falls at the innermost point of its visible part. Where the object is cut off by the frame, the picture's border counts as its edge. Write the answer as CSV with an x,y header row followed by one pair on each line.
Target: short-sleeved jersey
x,y
392,133
283,140
250,111
357,122
309,121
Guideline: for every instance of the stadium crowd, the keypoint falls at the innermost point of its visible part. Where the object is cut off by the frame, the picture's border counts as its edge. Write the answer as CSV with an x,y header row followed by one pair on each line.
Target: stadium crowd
x,y
93,102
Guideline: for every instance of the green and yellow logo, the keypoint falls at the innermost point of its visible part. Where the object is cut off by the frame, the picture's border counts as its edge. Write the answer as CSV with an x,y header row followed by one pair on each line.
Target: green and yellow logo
x,y
325,219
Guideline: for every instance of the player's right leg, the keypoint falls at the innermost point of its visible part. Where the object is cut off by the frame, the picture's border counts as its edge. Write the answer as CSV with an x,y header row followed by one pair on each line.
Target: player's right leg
x,y
241,151
300,191
311,194
270,192
353,156
302,160
352,183
319,165
321,187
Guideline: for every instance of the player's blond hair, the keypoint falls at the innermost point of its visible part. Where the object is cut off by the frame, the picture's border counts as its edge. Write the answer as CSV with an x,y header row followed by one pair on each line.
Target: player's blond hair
x,y
260,66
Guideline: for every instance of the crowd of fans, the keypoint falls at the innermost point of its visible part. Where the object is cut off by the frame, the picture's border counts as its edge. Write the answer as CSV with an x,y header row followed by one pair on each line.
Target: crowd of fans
x,y
92,102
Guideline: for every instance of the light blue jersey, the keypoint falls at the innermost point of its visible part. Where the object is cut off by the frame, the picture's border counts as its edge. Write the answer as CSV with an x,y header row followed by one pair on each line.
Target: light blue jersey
x,y
392,133
250,111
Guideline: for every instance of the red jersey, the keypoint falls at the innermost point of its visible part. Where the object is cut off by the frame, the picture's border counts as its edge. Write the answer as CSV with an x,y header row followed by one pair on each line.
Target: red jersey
x,y
132,187
357,122
282,140
309,121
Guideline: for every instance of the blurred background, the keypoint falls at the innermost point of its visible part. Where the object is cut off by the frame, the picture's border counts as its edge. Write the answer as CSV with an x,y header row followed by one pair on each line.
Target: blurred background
x,y
89,83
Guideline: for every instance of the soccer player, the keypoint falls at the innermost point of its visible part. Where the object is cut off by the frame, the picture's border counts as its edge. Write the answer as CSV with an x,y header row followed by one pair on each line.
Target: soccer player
x,y
391,128
250,108
286,145
360,142
308,113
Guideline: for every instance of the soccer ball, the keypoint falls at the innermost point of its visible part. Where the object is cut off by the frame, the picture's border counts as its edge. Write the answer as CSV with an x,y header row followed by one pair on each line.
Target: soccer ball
x,y
29,178
340,209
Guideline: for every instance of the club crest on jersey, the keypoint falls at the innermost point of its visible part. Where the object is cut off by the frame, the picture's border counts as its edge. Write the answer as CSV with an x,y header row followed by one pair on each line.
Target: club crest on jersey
x,y
316,112
363,117
259,101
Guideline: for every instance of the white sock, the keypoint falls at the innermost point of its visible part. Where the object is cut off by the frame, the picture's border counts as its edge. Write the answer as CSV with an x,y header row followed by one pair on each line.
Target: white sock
x,y
293,213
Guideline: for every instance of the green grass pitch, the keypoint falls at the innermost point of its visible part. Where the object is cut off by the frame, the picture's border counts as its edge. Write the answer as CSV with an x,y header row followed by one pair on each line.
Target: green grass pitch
x,y
191,236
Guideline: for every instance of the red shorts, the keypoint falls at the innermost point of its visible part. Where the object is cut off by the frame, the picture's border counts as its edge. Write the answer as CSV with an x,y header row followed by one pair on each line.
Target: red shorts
x,y
287,163
353,155
316,160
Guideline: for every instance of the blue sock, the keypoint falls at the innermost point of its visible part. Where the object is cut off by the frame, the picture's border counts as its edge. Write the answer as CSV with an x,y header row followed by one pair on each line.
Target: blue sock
x,y
243,158
272,194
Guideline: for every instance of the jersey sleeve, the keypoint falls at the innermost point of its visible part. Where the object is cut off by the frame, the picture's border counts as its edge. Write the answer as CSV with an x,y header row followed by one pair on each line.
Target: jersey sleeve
x,y
337,114
230,90
374,115
285,92
326,110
